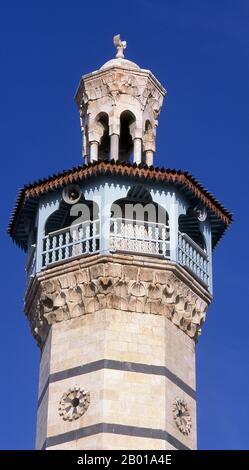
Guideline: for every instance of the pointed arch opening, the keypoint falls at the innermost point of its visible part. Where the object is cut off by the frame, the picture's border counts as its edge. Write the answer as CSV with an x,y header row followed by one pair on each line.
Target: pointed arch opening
x,y
68,215
70,231
127,119
138,224
104,145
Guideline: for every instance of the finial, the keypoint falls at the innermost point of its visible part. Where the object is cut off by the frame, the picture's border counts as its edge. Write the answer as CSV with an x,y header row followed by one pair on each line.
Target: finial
x,y
120,46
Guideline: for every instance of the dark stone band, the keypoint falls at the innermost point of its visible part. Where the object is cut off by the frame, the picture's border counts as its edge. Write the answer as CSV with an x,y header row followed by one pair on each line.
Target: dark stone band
x,y
119,429
118,365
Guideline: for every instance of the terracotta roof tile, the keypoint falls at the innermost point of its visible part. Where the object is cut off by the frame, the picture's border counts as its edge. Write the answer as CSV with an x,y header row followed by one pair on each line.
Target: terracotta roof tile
x,y
179,177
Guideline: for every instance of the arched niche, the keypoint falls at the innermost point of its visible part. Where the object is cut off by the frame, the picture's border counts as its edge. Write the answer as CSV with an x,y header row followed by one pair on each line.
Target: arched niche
x,y
148,128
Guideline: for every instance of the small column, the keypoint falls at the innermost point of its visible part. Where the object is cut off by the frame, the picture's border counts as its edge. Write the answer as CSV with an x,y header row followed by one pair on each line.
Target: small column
x,y
137,143
94,151
85,146
114,147
149,157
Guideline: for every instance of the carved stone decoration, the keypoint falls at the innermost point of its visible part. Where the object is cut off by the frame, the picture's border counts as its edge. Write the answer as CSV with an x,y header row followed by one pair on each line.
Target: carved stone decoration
x,y
182,416
151,97
118,287
120,83
74,403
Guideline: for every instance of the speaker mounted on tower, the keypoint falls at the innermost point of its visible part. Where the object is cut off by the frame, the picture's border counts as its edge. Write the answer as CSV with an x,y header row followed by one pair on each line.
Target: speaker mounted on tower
x,y
71,194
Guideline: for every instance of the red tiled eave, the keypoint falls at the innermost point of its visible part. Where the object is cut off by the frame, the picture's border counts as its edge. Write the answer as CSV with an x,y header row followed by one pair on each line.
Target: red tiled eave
x,y
179,177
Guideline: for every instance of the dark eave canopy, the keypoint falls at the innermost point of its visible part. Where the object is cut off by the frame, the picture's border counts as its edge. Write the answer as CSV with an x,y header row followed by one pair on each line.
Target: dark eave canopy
x,y
28,196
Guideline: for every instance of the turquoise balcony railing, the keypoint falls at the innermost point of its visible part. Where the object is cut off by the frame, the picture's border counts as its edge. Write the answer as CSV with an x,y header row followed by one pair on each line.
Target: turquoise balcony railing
x,y
71,241
143,237
126,235
192,257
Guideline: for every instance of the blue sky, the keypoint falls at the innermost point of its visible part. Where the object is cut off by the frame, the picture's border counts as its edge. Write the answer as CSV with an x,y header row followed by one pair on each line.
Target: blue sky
x,y
199,50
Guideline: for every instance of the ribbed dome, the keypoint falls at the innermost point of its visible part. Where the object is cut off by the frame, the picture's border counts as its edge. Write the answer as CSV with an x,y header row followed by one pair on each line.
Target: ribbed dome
x,y
120,62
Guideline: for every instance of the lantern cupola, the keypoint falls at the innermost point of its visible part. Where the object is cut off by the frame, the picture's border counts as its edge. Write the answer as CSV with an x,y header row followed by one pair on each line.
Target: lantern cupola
x,y
119,105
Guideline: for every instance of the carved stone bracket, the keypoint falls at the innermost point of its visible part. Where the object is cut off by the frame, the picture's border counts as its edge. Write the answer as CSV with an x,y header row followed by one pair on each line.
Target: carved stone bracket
x,y
115,286
117,82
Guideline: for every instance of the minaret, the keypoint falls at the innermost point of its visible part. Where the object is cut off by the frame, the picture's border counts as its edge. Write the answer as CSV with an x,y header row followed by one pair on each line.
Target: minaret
x,y
119,276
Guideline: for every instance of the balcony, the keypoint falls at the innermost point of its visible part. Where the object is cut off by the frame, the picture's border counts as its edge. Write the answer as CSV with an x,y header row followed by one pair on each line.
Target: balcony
x,y
192,257
140,237
127,236
69,242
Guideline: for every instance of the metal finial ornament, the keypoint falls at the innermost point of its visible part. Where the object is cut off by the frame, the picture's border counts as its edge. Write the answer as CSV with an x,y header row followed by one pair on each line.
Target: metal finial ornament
x,y
120,46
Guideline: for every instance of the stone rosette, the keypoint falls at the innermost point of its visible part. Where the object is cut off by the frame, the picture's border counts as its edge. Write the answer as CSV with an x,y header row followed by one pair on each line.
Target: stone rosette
x,y
117,287
182,416
74,403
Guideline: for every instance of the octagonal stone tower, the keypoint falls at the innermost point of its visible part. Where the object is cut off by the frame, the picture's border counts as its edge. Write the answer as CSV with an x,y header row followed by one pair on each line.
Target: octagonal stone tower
x,y
119,276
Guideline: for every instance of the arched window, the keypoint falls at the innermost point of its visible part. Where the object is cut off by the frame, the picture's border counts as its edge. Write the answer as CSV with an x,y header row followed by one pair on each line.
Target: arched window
x,y
68,215
139,224
125,141
72,230
104,145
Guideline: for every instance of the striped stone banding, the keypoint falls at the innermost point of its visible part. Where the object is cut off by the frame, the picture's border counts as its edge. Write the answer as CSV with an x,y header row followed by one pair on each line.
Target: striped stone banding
x,y
121,366
111,428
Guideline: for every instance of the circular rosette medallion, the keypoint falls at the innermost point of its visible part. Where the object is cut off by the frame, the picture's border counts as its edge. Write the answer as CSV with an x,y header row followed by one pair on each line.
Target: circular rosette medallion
x,y
182,416
74,403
